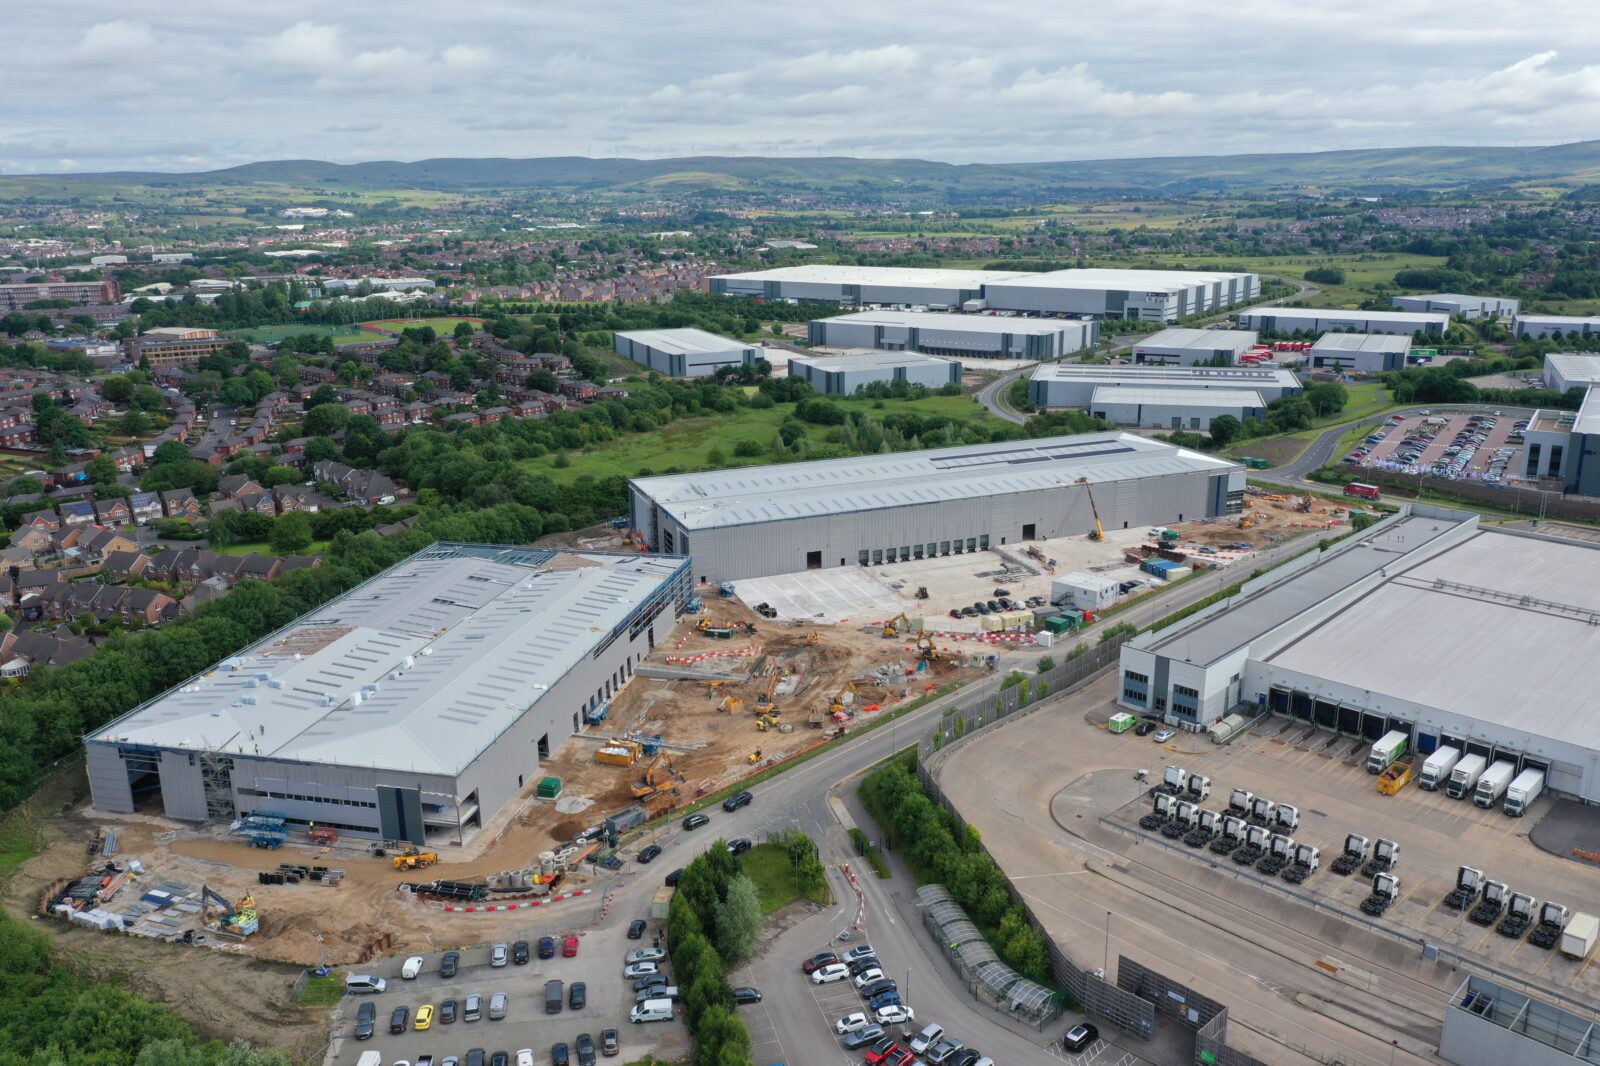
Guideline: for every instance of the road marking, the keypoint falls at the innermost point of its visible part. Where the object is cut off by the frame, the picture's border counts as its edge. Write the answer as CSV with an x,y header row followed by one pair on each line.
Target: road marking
x,y
1582,970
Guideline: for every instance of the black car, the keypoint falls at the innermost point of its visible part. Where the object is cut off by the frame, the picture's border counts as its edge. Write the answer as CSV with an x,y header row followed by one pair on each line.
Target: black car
x,y
982,608
474,1057
366,1020
863,964
649,980
500,1058
994,605
969,612
577,995
398,1020
739,845
558,1055
447,1012
519,952
547,947
695,821
585,1046
746,995
449,963
878,987
1000,593
1144,728
737,800
672,878
1080,1037
965,1057
868,1034
955,612
650,852
636,929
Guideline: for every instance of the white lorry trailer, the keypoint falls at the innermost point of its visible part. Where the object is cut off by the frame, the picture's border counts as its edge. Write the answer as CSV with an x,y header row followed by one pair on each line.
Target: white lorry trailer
x,y
1522,791
1492,785
1436,768
1464,778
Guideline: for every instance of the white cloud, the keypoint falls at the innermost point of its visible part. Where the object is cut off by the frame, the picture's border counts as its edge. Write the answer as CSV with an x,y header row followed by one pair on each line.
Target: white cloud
x,y
307,45
119,40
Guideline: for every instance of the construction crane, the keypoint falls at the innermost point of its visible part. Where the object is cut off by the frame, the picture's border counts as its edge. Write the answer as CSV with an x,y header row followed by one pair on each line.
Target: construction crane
x,y
838,699
1099,533
891,628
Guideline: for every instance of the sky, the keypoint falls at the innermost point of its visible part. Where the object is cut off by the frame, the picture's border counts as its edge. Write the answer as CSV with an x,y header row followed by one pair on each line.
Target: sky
x,y
93,85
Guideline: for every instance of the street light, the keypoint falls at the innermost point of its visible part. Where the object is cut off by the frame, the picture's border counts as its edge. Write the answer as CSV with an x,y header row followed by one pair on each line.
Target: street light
x,y
1105,963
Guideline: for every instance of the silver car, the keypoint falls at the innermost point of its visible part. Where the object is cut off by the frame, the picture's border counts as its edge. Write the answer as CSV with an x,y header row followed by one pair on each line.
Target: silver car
x,y
498,955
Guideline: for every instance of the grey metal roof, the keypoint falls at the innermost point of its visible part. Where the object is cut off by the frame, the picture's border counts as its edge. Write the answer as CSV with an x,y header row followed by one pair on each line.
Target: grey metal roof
x,y
1533,601
1588,418
1177,397
686,341
1561,320
1124,280
419,669
1313,314
1362,342
849,274
1575,368
1176,376
1208,339
869,359
968,323
717,498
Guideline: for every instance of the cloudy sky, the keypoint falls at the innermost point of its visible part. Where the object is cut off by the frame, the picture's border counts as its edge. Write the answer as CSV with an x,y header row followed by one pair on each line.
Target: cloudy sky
x,y
93,85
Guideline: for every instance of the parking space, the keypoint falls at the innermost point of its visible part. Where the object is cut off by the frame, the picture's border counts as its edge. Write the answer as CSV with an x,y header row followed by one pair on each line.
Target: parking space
x,y
598,965
1323,774
764,1043
1480,446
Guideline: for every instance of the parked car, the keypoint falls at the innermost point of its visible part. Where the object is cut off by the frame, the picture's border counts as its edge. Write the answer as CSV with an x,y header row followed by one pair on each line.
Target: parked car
x,y
869,976
547,947
1079,1037
578,995
424,1019
826,975
498,955
966,1057
897,1014
878,987
650,980
737,800
889,997
1144,728
519,952
930,1035
955,612
851,1022
745,995
672,878
1163,735
821,958
636,929
499,1058
649,852
497,1006
695,821
399,1019
366,1020
739,845
871,1034
447,1011
639,969
449,963
472,1008
881,1050
645,955
411,968
860,951
862,965
900,1057
942,1052
558,1055
584,1046
569,947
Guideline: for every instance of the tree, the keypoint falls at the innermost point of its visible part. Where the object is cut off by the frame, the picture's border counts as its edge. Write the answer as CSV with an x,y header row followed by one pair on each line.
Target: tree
x,y
323,394
291,533
101,470
463,334
1225,429
1326,398
24,486
543,380
320,448
1046,664
117,390
134,423
169,452
739,920
324,420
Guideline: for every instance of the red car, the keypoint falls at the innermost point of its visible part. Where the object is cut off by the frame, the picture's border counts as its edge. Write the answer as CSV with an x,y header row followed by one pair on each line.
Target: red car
x,y
822,958
878,1058
900,1057
569,946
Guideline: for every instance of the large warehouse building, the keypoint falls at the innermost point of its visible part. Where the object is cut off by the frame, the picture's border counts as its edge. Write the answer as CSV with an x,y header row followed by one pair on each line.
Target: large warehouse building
x,y
1367,353
1568,327
1322,319
1191,347
1571,370
842,375
756,521
957,336
1150,295
1073,385
861,285
1504,658
1454,303
684,353
414,707
1161,408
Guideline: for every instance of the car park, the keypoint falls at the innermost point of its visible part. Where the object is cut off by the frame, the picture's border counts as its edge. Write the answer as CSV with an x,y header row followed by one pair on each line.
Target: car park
x,y
636,929
609,1044
569,946
745,995
578,995
399,1018
649,852
821,958
826,975
498,955
449,963
739,845
695,821
519,952
851,1022
640,969
1079,1037
424,1019
411,968
448,1010
547,947
366,1020
584,1046
737,800
862,1037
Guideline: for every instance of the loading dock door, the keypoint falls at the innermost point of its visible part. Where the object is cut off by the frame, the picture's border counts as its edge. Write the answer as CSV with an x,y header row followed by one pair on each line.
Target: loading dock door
x,y
1350,721
1373,726
400,814
1426,743
1525,763
1327,714
1302,706
1280,700
1480,749
1400,725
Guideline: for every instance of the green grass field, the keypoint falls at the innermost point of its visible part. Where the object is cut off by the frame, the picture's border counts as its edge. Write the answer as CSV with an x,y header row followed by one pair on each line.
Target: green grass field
x,y
317,548
274,334
687,443
1361,272
768,866
440,326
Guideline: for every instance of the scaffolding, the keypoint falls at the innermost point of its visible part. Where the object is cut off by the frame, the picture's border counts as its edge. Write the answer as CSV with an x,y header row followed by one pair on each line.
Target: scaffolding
x,y
216,775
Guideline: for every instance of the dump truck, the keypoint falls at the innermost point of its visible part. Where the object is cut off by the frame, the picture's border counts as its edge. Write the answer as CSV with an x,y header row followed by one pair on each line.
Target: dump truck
x,y
1492,785
1464,778
1578,938
1389,747
1522,791
1436,768
1392,780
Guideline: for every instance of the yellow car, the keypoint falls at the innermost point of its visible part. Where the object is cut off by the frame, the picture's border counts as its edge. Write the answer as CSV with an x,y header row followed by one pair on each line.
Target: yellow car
x,y
424,1017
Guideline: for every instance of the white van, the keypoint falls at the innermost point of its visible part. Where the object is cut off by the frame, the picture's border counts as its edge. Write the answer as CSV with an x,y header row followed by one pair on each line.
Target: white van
x,y
652,1010
361,984
370,1058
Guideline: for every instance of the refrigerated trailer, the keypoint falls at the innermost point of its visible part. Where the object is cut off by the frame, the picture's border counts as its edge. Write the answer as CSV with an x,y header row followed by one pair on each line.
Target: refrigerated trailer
x,y
1523,790
1464,778
1492,785
1436,768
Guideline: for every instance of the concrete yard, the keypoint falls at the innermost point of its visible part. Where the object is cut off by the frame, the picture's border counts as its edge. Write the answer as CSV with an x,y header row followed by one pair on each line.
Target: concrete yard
x,y
1297,976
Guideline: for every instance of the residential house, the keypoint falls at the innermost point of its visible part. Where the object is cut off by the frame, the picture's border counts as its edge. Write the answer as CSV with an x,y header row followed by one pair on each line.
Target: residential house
x,y
21,651
301,562
144,506
259,502
126,565
95,545
362,486
464,419
180,503
579,390
232,485
147,606
77,513
41,520
65,538
181,564
212,564
489,416
300,498
112,512
259,567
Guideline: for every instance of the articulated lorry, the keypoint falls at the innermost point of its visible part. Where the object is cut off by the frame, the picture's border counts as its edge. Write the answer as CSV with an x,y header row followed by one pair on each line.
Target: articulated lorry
x,y
1386,751
1436,768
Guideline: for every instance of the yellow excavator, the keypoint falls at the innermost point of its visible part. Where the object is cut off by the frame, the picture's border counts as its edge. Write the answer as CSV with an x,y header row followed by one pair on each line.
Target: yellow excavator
x,y
420,861
1099,533
925,648
837,704
891,628
658,777
765,699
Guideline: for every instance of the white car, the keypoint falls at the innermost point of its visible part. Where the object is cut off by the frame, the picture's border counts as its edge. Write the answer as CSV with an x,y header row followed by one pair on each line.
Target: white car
x,y
640,969
868,976
826,975
860,951
851,1022
525,1057
412,967
644,955
894,1014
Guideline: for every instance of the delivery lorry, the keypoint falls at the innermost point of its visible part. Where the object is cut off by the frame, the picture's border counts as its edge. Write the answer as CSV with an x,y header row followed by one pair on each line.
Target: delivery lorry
x,y
1386,751
1522,791
1492,785
1464,778
1436,768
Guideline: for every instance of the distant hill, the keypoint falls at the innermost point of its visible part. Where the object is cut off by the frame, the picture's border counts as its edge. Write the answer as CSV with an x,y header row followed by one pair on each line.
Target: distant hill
x,y
1446,167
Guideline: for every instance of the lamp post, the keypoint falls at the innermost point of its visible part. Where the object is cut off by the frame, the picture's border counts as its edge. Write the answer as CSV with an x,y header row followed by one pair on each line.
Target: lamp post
x,y
1105,963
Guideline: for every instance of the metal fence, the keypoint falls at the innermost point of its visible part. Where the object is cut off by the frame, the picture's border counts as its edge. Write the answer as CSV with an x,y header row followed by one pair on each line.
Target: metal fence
x,y
1170,997
977,964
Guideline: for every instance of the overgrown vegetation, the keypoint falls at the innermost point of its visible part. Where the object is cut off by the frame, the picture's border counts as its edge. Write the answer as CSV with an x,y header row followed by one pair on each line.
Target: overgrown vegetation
x,y
869,851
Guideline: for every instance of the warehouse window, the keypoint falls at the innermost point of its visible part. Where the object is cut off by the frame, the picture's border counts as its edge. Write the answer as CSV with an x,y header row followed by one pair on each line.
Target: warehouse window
x,y
1555,458
972,544
1184,690
905,553
933,549
958,547
944,547
1133,695
1139,679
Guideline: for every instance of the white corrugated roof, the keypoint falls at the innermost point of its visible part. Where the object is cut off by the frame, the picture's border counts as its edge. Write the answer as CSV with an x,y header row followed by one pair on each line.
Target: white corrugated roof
x,y
1175,376
1311,314
746,495
849,274
1237,339
686,341
970,323
418,669
1130,280
1107,394
1362,342
869,359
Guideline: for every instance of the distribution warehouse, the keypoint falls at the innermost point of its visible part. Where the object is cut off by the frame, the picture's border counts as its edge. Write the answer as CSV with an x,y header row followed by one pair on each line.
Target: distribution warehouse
x,y
1507,623
412,708
1150,295
972,336
756,521
1369,353
1164,408
1187,347
1320,319
1073,385
1569,327
684,353
1454,303
842,375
